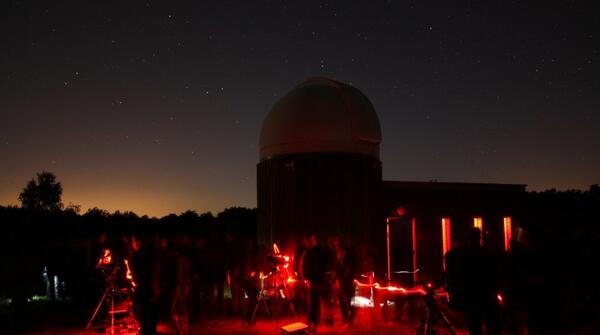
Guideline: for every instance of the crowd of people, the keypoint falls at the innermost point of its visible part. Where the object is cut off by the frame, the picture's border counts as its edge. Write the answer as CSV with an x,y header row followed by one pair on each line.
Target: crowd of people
x,y
180,279
472,282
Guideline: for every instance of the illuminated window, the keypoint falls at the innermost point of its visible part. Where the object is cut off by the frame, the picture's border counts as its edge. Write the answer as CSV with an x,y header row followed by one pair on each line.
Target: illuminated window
x,y
446,238
478,223
507,232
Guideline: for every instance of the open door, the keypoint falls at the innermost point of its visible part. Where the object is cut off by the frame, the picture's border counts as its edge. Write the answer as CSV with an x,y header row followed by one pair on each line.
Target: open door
x,y
401,251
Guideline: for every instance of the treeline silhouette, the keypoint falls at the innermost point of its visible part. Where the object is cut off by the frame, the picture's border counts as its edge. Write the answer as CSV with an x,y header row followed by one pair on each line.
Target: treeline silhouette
x,y
556,259
554,269
37,244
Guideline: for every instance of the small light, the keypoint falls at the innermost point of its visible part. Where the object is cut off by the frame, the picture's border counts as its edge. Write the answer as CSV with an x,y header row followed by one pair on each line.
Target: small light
x,y
400,211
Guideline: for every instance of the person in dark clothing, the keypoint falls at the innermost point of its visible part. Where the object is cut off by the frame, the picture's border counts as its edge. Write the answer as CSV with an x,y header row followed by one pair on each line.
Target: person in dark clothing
x,y
343,278
313,269
145,267
183,283
200,286
479,285
249,265
217,274
454,277
234,255
168,276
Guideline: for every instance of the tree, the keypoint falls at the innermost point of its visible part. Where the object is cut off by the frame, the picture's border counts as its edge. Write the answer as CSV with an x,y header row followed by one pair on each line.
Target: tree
x,y
42,193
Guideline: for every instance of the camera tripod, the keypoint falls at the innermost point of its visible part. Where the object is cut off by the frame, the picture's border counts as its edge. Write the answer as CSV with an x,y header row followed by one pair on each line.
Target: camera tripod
x,y
432,314
281,292
118,302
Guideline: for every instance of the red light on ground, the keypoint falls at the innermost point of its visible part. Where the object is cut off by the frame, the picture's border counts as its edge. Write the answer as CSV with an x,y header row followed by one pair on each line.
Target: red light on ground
x,y
400,211
500,299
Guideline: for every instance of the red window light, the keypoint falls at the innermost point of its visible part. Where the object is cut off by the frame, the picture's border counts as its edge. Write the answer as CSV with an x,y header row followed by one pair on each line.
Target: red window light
x,y
446,238
507,232
478,223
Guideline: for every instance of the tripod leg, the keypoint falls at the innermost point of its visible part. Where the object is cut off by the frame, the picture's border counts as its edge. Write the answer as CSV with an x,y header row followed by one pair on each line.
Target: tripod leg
x,y
427,322
112,315
287,294
447,323
255,310
266,308
89,324
292,308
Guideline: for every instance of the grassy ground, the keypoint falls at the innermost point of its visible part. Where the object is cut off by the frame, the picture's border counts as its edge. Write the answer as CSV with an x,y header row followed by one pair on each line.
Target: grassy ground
x,y
56,318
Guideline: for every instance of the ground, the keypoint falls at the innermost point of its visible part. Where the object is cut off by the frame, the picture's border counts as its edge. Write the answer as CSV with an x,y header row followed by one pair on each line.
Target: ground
x,y
368,321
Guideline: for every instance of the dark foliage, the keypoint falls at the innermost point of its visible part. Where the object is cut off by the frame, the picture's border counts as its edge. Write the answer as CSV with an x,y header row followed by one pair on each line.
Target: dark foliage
x,y
66,243
42,193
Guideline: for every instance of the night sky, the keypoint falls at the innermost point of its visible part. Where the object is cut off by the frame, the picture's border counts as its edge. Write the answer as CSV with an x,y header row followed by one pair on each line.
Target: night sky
x,y
156,107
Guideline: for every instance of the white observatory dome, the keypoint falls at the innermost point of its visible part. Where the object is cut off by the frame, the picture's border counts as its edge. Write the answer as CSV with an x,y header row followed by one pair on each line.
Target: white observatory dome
x,y
321,115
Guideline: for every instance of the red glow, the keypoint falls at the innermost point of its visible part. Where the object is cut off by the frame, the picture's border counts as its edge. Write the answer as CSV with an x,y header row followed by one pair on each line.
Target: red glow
x,y
500,299
446,238
106,258
128,274
414,241
391,288
507,232
365,285
389,264
400,211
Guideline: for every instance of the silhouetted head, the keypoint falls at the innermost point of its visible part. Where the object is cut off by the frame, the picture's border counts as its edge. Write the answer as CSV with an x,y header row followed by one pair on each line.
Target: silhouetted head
x,y
135,243
472,237
313,241
336,242
305,242
455,244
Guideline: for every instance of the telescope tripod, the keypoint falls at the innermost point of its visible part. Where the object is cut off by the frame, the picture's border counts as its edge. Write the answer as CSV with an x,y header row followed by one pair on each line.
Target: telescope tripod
x,y
281,292
114,299
432,314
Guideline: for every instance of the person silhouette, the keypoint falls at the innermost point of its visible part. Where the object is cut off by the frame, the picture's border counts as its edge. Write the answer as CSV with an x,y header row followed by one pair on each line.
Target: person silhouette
x,y
313,270
479,285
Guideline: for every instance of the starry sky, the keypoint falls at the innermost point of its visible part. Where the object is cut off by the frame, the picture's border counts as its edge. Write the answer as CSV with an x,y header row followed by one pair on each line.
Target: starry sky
x,y
156,106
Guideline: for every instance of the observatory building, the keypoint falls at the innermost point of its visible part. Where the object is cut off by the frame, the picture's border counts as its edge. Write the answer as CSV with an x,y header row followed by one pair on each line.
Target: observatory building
x,y
319,170
320,173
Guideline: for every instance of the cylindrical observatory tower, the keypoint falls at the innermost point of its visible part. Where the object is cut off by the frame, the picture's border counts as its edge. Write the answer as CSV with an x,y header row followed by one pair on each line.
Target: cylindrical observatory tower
x,y
319,170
